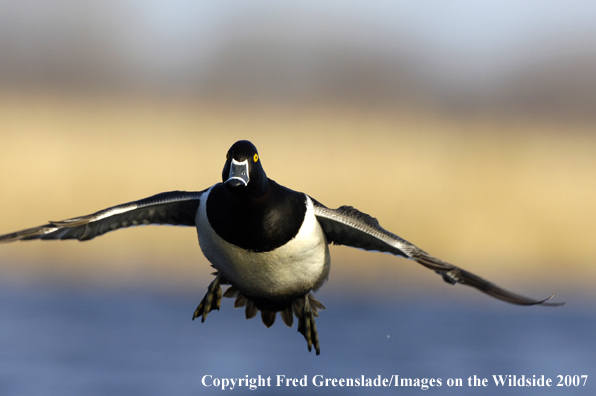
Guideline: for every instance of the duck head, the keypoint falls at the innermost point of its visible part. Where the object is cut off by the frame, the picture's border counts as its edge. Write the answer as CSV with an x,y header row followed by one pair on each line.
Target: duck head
x,y
243,173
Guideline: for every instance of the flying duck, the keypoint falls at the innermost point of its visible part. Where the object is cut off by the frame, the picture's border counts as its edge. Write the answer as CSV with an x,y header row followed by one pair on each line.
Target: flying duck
x,y
267,242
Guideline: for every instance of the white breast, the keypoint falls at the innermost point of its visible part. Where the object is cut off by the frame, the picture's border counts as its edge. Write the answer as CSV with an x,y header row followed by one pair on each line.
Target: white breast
x,y
289,271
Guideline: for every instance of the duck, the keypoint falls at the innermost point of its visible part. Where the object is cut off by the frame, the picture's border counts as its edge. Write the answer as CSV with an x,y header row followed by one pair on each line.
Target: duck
x,y
269,244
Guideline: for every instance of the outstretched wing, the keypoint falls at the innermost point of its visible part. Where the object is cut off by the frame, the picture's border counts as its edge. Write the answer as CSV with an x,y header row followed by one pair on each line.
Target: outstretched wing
x,y
174,208
350,227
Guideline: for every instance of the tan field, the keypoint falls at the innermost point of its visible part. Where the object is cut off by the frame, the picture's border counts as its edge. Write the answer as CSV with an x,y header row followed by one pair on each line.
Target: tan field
x,y
512,200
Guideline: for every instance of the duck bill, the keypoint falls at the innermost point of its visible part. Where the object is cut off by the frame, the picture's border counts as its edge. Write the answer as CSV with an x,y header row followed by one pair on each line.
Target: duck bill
x,y
238,174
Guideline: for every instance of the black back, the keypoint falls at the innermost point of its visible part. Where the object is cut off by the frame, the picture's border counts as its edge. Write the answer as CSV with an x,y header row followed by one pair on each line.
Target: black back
x,y
256,224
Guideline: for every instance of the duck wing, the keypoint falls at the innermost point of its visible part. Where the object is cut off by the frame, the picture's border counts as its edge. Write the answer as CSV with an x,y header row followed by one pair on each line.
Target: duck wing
x,y
174,208
348,226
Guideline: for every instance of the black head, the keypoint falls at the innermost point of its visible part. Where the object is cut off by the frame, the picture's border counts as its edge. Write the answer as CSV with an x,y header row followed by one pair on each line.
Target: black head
x,y
243,173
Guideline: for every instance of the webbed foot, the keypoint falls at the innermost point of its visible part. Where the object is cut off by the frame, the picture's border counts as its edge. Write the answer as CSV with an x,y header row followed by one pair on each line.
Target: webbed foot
x,y
212,299
305,310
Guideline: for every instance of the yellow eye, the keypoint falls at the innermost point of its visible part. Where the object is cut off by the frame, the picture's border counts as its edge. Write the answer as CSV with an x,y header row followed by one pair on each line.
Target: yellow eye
x,y
256,157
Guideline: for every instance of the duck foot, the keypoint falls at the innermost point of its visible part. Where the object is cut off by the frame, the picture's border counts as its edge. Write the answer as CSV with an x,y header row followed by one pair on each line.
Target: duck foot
x,y
305,310
212,299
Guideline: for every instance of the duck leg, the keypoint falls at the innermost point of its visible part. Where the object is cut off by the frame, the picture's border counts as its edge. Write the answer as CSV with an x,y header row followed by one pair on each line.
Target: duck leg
x,y
212,299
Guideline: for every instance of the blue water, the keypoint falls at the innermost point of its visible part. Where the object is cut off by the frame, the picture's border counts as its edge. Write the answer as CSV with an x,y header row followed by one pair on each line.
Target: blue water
x,y
77,341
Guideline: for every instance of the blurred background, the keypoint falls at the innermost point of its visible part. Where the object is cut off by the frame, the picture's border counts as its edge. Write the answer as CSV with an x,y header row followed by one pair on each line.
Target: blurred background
x,y
467,128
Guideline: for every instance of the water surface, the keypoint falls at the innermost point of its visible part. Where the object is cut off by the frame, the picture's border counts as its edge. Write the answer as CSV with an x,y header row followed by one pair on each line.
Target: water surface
x,y
77,341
